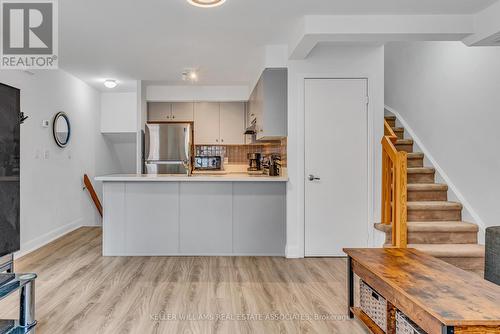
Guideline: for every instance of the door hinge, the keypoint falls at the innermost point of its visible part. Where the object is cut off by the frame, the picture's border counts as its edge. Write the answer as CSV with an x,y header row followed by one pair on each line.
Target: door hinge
x,y
367,99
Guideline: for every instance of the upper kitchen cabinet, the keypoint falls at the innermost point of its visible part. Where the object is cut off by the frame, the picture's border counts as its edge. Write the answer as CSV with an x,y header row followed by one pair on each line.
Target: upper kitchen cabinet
x,y
232,123
170,111
159,111
182,111
118,112
268,105
219,123
207,123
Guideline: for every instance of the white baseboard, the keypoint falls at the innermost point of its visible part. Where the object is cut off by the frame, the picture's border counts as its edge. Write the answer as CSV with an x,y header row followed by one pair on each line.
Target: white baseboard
x,y
42,240
470,212
293,252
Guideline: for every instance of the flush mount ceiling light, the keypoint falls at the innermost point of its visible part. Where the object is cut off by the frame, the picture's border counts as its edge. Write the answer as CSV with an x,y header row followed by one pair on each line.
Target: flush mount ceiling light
x,y
206,3
110,83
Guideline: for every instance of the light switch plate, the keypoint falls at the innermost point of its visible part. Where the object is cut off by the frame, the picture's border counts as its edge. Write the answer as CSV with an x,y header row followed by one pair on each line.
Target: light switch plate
x,y
45,123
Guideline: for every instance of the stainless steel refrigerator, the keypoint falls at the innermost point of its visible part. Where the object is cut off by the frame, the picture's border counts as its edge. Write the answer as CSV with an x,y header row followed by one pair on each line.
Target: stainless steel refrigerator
x,y
168,148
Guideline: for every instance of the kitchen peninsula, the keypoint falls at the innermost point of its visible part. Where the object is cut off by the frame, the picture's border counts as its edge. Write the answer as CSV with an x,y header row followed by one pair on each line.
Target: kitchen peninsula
x,y
169,215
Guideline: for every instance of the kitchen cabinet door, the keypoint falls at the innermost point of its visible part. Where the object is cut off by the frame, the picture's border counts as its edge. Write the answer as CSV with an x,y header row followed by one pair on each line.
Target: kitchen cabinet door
x,y
206,213
232,123
207,123
258,111
159,111
182,112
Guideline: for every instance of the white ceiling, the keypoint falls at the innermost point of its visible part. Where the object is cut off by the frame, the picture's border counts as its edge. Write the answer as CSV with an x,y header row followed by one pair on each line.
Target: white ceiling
x,y
156,39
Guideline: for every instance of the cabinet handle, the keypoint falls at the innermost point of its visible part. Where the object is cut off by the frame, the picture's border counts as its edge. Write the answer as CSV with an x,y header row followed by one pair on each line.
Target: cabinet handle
x,y
222,140
173,117
168,117
217,140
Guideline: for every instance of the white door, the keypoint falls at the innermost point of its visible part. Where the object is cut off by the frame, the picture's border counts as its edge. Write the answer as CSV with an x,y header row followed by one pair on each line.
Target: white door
x,y
336,165
182,111
232,123
206,123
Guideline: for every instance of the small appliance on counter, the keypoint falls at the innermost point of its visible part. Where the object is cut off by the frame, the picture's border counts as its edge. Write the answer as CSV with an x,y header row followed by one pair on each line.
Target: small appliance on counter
x,y
208,163
254,164
272,165
168,148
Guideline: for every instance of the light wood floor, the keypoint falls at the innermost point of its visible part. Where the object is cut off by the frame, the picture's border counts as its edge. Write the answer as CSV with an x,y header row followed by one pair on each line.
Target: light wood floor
x,y
79,291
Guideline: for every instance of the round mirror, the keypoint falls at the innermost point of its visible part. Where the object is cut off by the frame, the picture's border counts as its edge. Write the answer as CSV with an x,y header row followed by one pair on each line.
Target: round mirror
x,y
61,129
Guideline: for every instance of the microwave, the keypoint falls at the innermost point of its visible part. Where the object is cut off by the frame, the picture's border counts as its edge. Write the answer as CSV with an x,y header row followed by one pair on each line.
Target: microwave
x,y
208,163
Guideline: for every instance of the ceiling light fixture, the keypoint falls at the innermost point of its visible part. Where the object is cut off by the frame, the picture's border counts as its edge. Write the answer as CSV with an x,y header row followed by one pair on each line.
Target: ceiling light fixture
x,y
206,3
110,83
190,75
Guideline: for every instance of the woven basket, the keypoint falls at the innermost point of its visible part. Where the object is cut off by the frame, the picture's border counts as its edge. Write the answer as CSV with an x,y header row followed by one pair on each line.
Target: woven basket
x,y
374,305
406,326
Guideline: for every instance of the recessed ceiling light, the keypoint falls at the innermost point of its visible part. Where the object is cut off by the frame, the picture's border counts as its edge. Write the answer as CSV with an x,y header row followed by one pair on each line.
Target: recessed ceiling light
x,y
190,75
110,83
206,3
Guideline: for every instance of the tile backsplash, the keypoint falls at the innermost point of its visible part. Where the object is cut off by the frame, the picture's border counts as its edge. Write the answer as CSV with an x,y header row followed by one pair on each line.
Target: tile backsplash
x,y
237,154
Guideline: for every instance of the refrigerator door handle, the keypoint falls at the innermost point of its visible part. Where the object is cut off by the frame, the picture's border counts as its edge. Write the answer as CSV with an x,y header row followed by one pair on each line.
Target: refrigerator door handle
x,y
146,142
170,162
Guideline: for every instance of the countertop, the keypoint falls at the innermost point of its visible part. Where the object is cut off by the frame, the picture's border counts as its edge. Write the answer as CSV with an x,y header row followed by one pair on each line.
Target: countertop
x,y
229,177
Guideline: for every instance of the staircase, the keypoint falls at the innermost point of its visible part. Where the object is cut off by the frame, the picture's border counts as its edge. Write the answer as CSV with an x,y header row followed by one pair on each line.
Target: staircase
x,y
434,224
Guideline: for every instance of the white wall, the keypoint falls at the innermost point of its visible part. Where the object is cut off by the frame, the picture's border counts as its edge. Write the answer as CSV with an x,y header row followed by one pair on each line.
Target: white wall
x,y
52,197
333,62
119,112
448,93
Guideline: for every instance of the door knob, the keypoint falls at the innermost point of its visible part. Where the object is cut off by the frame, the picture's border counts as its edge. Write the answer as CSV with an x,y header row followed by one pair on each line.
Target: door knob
x,y
313,178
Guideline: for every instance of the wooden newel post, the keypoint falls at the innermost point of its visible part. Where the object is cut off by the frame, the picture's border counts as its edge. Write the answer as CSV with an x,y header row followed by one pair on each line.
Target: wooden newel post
x,y
400,200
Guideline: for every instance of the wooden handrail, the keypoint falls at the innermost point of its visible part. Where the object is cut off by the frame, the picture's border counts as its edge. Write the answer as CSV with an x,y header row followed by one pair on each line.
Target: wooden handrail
x,y
394,188
93,194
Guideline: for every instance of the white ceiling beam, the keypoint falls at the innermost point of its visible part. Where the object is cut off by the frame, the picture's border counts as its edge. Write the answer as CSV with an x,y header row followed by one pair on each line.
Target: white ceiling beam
x,y
487,27
377,29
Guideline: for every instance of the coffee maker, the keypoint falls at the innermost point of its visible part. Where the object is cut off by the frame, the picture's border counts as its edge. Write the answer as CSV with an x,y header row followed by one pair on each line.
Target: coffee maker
x,y
254,163
272,165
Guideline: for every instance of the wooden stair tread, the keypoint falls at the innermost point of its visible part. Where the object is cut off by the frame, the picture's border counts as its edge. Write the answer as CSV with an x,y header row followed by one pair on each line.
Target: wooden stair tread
x,y
451,250
415,155
434,226
434,205
420,170
404,142
390,117
427,187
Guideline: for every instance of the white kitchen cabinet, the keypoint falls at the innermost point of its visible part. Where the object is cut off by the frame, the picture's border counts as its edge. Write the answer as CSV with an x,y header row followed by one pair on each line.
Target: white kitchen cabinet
x,y
232,123
157,232
207,123
170,112
118,112
191,218
182,112
206,218
269,103
259,212
159,111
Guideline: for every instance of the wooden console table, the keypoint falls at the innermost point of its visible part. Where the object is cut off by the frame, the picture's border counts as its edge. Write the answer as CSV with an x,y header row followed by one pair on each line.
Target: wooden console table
x,y
438,297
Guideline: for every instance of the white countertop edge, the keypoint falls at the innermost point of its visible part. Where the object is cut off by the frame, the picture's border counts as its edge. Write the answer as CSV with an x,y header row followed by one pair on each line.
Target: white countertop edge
x,y
195,178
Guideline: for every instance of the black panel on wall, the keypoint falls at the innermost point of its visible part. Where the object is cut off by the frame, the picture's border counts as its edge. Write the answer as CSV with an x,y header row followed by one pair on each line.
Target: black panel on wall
x,y
9,169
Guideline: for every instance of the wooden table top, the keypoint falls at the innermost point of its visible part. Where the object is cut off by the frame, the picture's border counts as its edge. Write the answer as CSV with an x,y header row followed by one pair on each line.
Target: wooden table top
x,y
451,295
